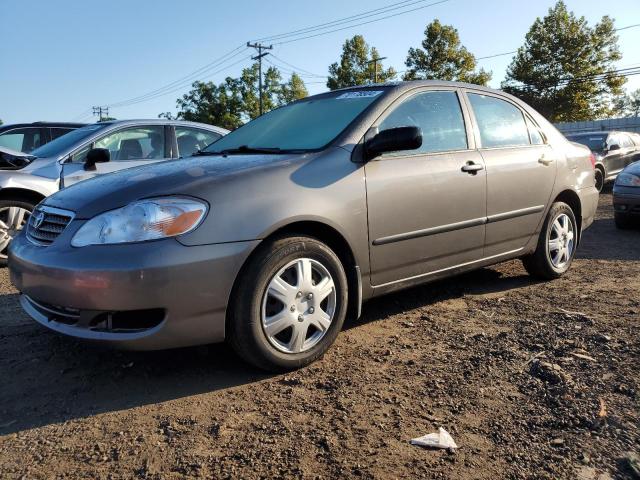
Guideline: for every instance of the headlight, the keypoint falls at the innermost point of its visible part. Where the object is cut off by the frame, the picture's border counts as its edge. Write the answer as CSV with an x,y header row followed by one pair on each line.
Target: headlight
x,y
142,221
628,180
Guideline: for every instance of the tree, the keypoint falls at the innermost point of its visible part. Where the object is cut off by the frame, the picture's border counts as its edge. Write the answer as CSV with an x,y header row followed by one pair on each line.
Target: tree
x,y
627,105
356,66
293,90
565,69
443,57
219,105
236,100
1,122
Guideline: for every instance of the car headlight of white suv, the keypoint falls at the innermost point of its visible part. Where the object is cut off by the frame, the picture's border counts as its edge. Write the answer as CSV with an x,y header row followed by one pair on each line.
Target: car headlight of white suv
x,y
628,180
142,221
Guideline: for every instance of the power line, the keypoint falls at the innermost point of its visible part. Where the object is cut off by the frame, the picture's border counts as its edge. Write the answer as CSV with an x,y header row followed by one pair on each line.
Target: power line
x,y
362,23
101,113
515,51
187,79
179,87
297,69
341,21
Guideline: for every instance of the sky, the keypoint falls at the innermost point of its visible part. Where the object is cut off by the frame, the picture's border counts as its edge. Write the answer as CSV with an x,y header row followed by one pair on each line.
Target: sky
x,y
59,58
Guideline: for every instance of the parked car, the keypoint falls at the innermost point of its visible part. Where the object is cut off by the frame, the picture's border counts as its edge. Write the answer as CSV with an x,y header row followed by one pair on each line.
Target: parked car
x,y
26,137
278,229
626,197
613,151
85,153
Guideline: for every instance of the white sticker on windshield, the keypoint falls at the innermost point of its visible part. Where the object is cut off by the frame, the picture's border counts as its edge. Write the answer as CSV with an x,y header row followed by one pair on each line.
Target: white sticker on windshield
x,y
360,94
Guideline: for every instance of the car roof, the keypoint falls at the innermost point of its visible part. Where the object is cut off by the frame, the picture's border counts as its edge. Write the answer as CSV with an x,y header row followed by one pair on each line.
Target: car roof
x,y
160,121
42,124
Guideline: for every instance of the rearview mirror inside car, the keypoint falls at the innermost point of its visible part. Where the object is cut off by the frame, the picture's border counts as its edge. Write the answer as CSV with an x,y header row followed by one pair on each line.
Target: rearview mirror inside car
x,y
393,140
96,155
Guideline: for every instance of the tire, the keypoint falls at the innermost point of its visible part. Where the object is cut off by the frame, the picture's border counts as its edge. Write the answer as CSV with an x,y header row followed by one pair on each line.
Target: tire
x,y
623,221
599,174
256,299
543,263
9,228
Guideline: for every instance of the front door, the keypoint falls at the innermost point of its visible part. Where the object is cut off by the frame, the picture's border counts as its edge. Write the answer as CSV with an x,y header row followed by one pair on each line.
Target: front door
x,y
129,147
521,172
426,207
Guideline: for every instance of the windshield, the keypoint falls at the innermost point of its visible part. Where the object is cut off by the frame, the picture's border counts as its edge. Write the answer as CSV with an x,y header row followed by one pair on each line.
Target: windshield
x,y
596,143
63,143
305,125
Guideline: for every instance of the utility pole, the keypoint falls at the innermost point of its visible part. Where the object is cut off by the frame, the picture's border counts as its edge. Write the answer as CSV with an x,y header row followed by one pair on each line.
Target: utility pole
x,y
375,67
260,48
101,112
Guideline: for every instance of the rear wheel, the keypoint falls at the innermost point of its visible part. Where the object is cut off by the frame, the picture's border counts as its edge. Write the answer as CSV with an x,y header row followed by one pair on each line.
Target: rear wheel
x,y
289,304
14,215
599,174
556,244
624,221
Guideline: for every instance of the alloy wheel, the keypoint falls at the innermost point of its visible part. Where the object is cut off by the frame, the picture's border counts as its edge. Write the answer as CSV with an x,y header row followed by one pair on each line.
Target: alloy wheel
x,y
298,306
561,241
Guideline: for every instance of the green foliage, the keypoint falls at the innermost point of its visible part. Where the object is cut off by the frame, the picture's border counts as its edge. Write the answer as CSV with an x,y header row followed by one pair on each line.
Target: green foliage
x,y
627,105
237,100
554,70
355,66
1,122
443,57
293,90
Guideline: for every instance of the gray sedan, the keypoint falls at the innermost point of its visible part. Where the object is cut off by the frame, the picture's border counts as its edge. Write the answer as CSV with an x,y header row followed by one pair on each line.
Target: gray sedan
x,y
85,153
275,233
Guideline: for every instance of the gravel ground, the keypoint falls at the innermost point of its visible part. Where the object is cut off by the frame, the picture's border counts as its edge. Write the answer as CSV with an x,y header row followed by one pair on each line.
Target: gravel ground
x,y
532,380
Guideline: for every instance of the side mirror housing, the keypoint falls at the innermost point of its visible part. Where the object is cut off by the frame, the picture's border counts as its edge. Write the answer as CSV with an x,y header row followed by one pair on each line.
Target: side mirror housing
x,y
393,140
614,147
96,155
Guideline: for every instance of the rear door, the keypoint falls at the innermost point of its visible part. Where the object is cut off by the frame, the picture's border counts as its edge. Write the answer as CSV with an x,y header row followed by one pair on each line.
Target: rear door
x,y
426,214
128,146
521,171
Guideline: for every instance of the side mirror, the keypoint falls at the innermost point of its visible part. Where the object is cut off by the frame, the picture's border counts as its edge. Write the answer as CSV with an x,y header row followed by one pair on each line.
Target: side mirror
x,y
614,147
96,155
393,140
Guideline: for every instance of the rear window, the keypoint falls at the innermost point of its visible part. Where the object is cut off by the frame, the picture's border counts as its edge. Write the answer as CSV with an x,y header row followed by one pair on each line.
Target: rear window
x,y
596,143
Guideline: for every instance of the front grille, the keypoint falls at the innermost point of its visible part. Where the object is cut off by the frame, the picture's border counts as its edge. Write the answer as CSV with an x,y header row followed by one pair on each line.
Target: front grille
x,y
46,224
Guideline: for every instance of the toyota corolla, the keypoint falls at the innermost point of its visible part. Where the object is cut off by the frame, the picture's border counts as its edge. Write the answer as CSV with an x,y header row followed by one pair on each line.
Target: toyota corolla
x,y
277,232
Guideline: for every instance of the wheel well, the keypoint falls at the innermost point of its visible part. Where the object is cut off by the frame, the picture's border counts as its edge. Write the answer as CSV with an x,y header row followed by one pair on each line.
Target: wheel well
x,y
21,194
571,198
327,235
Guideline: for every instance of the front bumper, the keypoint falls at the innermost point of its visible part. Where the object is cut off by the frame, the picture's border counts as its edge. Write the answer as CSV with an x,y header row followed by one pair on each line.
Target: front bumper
x,y
626,200
144,296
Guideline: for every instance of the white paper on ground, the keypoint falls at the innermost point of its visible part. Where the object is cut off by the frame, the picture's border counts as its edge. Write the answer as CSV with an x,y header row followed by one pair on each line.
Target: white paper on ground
x,y
442,439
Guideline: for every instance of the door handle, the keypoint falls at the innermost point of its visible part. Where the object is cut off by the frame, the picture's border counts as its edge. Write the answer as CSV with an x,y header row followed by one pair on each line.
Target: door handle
x,y
545,161
472,168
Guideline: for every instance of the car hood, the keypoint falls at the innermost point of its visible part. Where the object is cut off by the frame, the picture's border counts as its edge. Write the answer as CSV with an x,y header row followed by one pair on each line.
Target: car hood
x,y
192,176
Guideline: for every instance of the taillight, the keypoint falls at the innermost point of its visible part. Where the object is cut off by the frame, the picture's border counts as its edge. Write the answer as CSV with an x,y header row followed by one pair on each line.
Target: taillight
x,y
592,157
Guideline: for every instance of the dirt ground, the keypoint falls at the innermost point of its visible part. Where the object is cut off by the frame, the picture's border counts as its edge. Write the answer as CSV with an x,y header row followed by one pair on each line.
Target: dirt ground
x,y
532,380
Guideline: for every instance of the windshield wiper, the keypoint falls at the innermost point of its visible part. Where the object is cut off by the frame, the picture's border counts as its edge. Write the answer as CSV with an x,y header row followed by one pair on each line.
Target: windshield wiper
x,y
247,149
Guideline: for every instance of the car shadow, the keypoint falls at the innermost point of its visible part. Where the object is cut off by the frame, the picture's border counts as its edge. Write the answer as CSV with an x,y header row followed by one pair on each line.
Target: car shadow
x,y
49,379
483,282
603,241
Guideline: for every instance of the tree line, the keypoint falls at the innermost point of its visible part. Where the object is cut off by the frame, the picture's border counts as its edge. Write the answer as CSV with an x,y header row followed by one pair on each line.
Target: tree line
x,y
565,69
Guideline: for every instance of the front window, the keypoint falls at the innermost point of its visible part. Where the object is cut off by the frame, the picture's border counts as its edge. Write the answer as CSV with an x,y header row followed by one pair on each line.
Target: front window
x,y
438,115
309,124
136,143
61,144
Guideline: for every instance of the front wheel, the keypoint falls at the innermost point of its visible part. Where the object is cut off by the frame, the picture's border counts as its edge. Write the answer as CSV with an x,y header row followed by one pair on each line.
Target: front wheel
x,y
289,304
599,174
14,215
556,244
